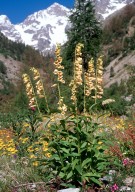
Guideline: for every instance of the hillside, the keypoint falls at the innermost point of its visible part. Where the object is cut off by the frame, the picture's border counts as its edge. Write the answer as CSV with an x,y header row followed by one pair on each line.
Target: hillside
x,y
16,59
119,45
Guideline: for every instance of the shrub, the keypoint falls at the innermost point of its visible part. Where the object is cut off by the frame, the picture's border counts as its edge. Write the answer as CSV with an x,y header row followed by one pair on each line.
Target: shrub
x,y
3,68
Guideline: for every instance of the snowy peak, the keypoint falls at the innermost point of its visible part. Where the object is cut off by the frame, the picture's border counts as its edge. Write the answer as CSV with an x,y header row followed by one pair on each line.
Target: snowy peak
x,y
8,29
4,20
57,9
45,28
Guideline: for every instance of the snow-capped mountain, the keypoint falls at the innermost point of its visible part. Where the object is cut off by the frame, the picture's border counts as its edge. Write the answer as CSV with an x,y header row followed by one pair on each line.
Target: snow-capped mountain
x,y
42,30
45,28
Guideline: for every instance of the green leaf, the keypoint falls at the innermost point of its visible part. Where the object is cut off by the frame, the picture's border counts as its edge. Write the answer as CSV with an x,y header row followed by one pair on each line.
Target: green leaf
x,y
74,144
74,163
69,175
91,175
86,161
62,175
74,155
84,145
68,185
95,181
79,169
66,143
65,150
65,168
56,157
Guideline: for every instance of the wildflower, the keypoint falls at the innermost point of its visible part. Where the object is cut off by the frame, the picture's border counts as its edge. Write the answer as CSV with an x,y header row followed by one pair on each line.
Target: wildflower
x,y
48,155
100,142
99,79
107,101
33,108
32,156
89,78
77,81
62,107
24,140
58,71
35,163
39,85
30,149
58,66
29,91
114,188
127,161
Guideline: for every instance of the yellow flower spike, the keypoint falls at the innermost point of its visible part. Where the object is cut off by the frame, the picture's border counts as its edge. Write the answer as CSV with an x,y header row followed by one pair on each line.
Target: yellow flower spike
x,y
99,77
58,66
30,91
77,79
58,71
40,91
89,78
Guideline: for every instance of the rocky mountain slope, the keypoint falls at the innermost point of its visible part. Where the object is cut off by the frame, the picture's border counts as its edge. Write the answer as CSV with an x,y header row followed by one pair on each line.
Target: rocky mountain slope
x,y
13,71
120,67
104,8
119,45
45,28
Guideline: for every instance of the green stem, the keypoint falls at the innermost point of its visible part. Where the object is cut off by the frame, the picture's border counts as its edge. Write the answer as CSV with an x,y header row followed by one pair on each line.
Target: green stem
x,y
48,110
74,82
84,98
96,87
59,90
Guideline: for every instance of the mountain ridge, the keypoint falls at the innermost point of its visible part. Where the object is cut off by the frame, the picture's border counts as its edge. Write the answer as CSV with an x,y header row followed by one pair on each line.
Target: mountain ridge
x,y
45,28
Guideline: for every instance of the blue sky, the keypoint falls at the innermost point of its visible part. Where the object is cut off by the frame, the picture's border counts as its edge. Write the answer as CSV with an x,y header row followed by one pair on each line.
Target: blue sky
x,y
18,10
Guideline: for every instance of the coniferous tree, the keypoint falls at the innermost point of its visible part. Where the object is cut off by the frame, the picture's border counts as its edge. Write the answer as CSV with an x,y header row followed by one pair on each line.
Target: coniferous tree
x,y
85,29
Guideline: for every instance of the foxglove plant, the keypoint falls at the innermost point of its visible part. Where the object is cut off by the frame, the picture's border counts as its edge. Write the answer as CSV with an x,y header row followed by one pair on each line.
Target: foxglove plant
x,y
40,91
58,71
30,92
